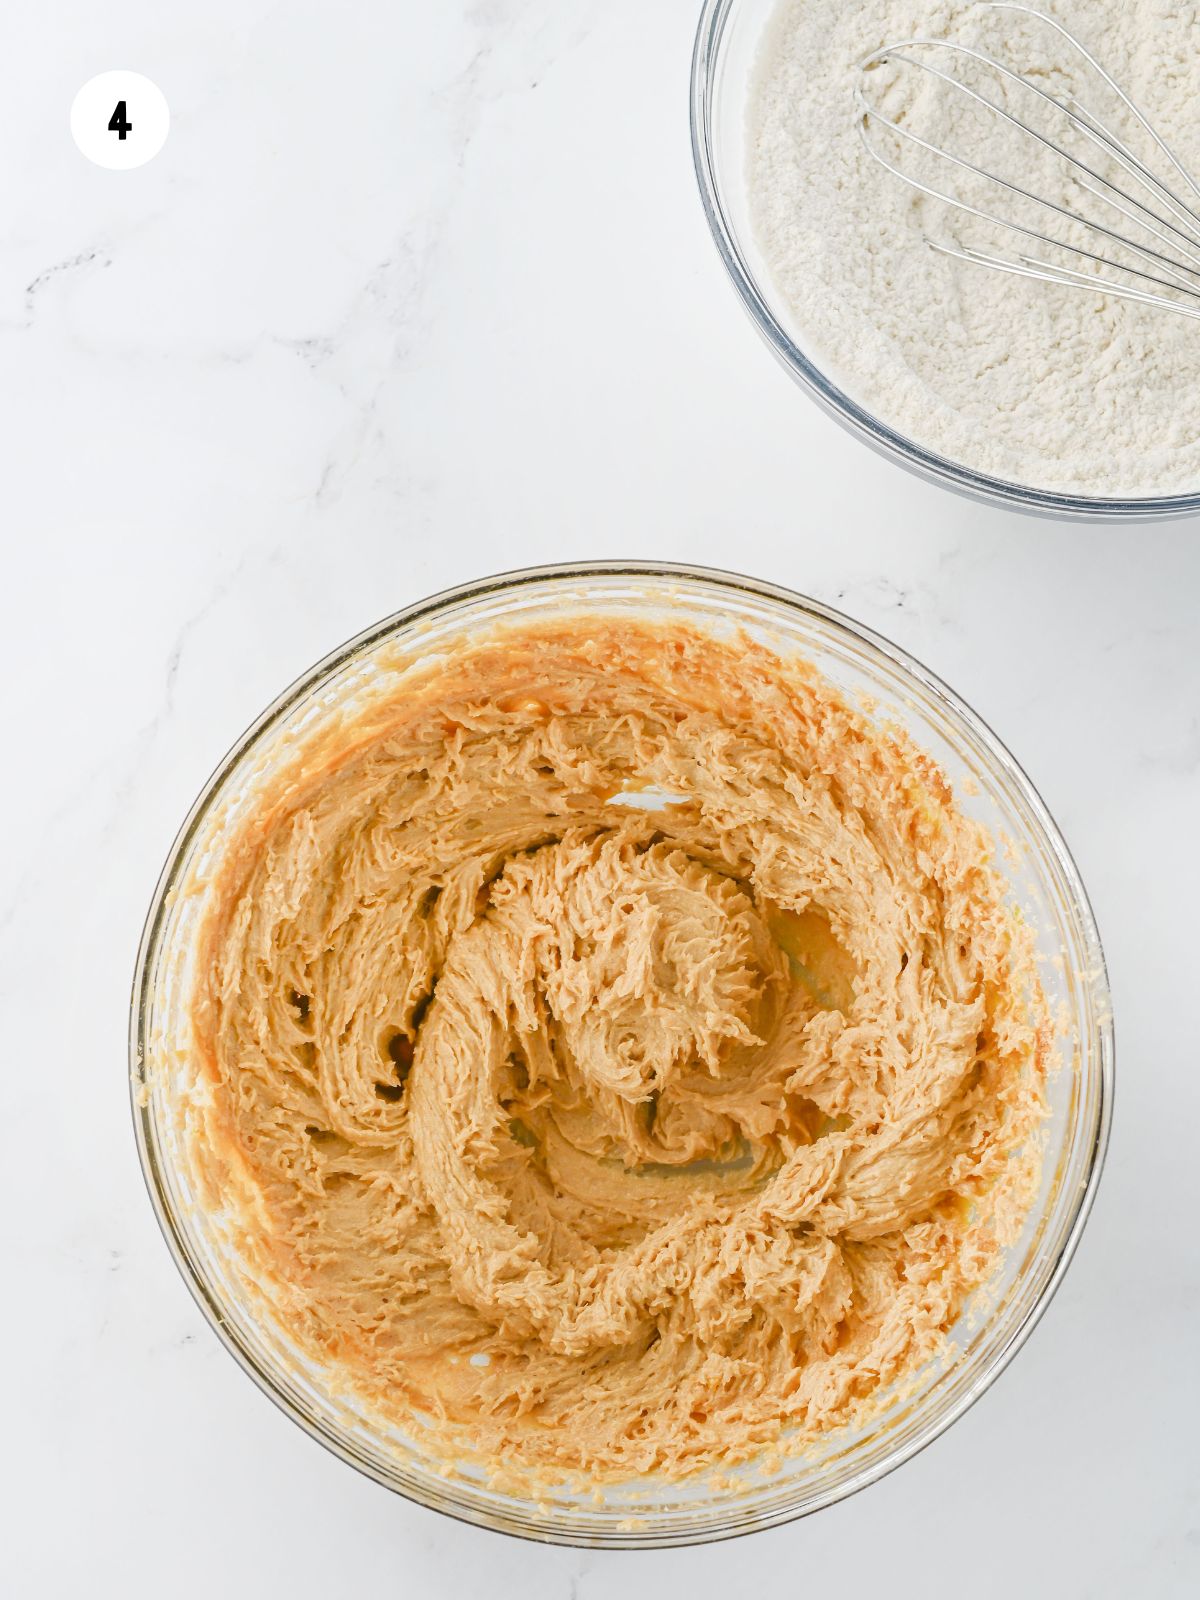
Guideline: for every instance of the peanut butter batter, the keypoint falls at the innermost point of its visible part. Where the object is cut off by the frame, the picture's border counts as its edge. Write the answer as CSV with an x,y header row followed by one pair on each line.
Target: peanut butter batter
x,y
621,1055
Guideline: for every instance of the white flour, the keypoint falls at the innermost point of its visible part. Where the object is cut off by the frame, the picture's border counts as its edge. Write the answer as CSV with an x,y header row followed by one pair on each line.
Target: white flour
x,y
1031,382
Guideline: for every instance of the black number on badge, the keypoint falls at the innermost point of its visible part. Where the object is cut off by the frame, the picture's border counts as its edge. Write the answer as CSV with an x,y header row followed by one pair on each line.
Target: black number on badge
x,y
117,123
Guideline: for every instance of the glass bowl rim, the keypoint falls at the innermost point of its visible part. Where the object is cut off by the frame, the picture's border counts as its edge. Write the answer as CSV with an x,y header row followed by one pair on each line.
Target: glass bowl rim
x,y
862,423
564,573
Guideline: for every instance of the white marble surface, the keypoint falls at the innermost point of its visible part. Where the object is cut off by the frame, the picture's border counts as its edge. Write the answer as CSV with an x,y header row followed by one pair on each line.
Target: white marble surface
x,y
413,293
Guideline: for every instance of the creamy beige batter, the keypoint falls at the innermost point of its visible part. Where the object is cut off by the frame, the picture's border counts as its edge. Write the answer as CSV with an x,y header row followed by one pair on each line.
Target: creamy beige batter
x,y
591,1137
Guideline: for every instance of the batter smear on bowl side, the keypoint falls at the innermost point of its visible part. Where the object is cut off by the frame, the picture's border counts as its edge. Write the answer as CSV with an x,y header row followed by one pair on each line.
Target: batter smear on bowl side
x,y
618,1053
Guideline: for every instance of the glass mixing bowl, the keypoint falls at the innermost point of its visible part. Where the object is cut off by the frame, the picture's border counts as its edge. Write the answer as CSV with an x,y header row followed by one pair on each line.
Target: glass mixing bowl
x,y
727,42
1044,883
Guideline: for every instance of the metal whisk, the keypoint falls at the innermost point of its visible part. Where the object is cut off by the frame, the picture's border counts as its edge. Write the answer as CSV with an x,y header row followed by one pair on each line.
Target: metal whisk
x,y
1171,264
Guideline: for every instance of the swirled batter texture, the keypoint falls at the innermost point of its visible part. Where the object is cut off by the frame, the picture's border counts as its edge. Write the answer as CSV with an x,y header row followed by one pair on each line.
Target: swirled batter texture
x,y
620,1050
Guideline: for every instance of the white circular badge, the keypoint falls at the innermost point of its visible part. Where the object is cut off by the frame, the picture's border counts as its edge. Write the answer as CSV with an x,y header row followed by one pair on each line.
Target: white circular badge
x,y
120,119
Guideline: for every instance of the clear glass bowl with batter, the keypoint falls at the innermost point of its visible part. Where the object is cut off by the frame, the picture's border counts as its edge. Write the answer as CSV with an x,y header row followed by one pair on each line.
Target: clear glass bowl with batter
x,y
726,49
990,786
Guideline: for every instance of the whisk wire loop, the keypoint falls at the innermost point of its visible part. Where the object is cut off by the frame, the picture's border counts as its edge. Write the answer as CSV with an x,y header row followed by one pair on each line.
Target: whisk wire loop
x,y
1178,232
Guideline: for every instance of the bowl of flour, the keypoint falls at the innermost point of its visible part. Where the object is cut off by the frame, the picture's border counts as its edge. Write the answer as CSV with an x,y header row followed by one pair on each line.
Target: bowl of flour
x,y
1025,393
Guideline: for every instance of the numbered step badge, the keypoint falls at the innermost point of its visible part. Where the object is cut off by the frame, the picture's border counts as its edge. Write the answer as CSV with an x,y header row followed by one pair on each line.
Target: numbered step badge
x,y
120,119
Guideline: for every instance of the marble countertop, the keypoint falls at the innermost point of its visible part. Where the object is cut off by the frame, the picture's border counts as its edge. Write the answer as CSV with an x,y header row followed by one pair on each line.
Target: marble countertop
x,y
415,293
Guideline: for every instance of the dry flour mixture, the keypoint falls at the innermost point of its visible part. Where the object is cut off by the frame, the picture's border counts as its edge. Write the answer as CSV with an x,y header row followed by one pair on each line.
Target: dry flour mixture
x,y
1037,383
